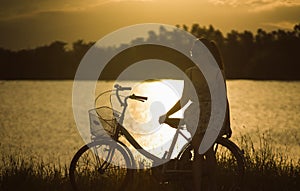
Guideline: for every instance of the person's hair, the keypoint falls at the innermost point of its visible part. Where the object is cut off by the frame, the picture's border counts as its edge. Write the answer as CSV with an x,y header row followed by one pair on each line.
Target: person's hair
x,y
213,48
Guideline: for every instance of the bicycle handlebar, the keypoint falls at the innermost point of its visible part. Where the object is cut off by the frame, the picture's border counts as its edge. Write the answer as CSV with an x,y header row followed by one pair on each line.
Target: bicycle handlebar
x,y
124,102
133,96
138,98
120,88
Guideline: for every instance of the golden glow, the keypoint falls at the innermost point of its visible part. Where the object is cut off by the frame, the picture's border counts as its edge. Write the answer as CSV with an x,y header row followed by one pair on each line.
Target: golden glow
x,y
142,117
91,20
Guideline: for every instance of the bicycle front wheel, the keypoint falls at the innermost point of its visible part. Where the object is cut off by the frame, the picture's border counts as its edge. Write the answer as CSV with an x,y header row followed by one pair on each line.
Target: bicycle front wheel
x,y
100,165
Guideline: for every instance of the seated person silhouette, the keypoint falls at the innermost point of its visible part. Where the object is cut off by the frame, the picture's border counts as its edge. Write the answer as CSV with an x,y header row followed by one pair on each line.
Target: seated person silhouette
x,y
190,116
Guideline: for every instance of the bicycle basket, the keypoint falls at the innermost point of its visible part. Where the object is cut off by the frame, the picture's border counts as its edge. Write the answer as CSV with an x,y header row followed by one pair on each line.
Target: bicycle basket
x,y
103,121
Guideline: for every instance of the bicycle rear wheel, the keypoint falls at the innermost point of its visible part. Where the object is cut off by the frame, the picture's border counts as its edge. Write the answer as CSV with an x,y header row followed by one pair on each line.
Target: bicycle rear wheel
x,y
230,165
229,172
100,165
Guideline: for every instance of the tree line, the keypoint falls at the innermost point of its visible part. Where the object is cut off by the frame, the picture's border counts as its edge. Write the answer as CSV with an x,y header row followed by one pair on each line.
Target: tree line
x,y
264,55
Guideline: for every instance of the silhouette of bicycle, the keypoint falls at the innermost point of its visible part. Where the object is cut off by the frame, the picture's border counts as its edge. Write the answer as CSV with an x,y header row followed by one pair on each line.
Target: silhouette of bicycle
x,y
106,163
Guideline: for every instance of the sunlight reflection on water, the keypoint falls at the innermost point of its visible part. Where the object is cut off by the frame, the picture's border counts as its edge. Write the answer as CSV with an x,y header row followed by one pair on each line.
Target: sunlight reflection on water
x,y
36,117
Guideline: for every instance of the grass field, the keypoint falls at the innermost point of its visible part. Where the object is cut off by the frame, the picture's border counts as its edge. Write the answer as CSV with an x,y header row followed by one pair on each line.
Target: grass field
x,y
266,169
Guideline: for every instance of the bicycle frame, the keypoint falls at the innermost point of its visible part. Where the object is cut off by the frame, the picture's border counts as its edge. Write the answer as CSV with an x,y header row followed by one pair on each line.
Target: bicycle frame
x,y
121,130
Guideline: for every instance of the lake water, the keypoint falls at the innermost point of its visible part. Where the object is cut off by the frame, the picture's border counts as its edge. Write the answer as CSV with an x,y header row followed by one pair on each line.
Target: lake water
x,y
36,118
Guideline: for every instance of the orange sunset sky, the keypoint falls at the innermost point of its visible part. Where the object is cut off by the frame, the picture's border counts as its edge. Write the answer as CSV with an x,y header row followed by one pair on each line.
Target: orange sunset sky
x,y
31,23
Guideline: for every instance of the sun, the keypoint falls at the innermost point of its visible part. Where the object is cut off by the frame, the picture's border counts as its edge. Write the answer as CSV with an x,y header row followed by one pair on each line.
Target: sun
x,y
141,118
162,95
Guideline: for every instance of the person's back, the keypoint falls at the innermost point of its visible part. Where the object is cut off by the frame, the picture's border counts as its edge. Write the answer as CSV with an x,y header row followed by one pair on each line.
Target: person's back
x,y
203,93
192,115
226,129
201,86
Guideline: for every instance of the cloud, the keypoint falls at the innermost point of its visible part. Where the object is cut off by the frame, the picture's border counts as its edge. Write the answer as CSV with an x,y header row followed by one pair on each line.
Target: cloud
x,y
281,25
38,22
69,22
272,4
257,5
15,9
